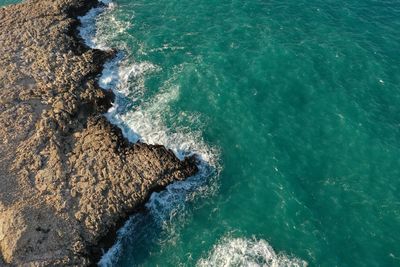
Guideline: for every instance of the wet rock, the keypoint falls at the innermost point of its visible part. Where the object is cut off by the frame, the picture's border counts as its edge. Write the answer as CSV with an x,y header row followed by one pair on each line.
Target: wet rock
x,y
67,176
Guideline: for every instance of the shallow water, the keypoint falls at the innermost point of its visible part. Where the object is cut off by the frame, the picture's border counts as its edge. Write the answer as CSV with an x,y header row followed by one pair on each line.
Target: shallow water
x,y
293,107
8,2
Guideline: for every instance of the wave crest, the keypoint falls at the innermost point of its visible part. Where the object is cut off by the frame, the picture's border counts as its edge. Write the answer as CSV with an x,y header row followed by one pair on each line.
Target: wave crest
x,y
145,121
230,252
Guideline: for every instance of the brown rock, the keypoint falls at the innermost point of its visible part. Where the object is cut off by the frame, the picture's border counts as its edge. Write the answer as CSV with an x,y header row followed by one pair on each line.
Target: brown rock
x,y
67,176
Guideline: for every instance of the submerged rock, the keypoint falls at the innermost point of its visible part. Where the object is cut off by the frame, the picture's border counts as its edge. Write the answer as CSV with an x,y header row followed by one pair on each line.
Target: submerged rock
x,y
67,176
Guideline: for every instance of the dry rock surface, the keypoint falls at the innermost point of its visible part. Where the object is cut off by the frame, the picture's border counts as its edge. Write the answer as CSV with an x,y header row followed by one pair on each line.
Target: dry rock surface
x,y
67,176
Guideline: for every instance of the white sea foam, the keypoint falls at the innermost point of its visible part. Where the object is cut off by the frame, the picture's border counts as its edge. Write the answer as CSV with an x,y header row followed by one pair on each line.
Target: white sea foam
x,y
98,35
88,28
126,78
110,258
145,121
247,253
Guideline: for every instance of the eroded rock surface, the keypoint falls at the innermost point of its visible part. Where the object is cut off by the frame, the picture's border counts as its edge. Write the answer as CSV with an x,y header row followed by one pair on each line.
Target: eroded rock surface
x,y
66,175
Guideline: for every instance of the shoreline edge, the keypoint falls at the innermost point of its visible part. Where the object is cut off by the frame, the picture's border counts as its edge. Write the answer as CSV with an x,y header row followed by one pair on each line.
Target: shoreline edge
x,y
69,177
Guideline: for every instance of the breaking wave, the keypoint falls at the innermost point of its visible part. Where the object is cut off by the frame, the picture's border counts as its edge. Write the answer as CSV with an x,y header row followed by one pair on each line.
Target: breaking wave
x,y
145,121
231,252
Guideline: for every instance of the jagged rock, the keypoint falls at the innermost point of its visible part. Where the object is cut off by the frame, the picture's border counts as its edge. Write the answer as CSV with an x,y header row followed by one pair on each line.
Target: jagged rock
x,y
67,176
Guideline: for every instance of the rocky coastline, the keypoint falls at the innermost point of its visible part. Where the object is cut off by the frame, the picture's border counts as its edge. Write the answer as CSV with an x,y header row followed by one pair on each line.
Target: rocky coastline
x,y
68,177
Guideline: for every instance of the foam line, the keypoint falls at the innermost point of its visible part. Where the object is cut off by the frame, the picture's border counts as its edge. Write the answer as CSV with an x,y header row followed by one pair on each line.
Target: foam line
x,y
247,252
143,122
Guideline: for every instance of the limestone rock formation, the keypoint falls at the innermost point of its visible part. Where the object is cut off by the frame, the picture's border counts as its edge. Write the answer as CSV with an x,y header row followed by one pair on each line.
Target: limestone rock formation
x,y
67,176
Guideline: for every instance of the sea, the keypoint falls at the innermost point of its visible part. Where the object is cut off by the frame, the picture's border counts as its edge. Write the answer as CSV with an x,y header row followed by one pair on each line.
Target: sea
x,y
293,110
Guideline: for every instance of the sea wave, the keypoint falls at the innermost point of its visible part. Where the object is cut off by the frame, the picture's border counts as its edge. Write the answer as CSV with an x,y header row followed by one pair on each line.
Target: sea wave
x,y
247,253
144,121
126,78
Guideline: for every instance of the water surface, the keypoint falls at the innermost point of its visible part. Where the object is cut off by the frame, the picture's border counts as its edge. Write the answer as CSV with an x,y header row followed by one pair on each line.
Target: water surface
x,y
294,107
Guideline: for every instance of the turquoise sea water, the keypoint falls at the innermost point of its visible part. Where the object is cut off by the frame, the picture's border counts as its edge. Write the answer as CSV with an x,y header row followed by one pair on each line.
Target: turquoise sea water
x,y
8,2
302,101
294,108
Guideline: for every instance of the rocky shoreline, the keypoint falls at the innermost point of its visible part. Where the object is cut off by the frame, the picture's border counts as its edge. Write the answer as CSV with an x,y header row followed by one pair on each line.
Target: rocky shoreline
x,y
67,176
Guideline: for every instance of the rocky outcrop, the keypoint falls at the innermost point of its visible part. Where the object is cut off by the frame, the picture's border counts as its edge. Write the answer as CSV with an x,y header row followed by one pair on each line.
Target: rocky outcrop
x,y
67,176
